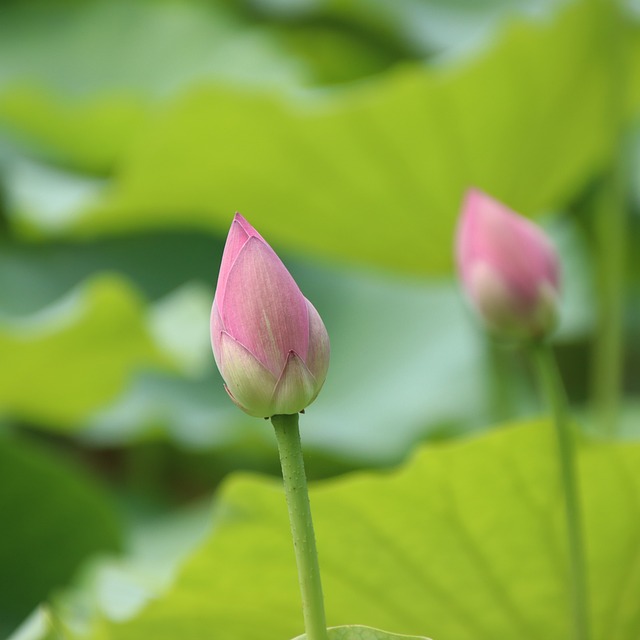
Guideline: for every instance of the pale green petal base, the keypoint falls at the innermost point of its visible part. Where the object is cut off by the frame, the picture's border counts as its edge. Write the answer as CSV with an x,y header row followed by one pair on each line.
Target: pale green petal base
x,y
248,382
357,632
296,389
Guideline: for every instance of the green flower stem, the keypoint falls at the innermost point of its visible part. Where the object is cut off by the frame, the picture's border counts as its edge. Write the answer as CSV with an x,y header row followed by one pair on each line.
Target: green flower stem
x,y
551,382
304,542
500,392
611,227
609,345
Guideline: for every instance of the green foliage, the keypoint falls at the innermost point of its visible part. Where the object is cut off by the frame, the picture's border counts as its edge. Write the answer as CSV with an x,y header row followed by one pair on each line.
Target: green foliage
x,y
75,356
346,131
53,516
78,79
466,541
408,142
105,321
344,162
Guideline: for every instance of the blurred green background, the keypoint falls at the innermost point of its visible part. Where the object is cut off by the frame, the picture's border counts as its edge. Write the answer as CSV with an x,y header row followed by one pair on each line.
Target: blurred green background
x,y
346,131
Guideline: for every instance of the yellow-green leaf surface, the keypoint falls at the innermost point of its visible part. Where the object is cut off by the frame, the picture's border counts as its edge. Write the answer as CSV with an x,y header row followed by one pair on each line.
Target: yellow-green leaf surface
x,y
78,79
71,358
376,172
91,134
465,542
357,632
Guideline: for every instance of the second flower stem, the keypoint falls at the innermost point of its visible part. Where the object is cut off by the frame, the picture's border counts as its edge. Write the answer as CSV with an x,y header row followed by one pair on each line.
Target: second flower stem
x,y
611,220
609,347
304,541
554,390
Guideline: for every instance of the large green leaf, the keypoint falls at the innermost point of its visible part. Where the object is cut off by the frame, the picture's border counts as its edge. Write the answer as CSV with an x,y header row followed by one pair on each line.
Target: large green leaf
x,y
467,542
54,516
376,172
72,357
78,79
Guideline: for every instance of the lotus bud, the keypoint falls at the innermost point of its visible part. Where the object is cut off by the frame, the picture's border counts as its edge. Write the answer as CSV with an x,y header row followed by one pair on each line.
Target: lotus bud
x,y
508,268
270,344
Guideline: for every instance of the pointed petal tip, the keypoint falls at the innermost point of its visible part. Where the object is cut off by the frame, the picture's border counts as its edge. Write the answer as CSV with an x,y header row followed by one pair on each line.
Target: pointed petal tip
x,y
263,306
472,193
239,232
246,226
476,200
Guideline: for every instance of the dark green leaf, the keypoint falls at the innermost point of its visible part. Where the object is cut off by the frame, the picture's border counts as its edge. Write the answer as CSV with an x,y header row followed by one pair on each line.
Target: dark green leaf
x,y
54,517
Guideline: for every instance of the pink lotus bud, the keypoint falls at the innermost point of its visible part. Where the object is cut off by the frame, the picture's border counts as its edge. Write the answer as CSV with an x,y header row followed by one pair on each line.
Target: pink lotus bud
x,y
508,268
269,342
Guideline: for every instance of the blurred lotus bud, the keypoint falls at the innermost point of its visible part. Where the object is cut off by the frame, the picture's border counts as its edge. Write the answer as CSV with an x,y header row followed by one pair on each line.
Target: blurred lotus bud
x,y
508,268
269,343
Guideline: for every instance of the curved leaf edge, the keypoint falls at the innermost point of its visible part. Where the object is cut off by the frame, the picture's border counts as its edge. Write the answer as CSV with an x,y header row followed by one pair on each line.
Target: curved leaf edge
x,y
360,632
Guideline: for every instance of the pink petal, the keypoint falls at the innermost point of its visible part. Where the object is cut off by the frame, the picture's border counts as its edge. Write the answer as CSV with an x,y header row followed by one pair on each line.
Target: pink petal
x,y
317,359
249,383
263,308
239,233
496,304
513,246
236,239
248,229
296,388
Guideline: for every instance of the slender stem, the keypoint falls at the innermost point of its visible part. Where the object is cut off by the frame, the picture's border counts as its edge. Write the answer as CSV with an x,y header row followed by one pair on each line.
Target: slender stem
x,y
304,542
609,345
500,395
551,382
611,221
